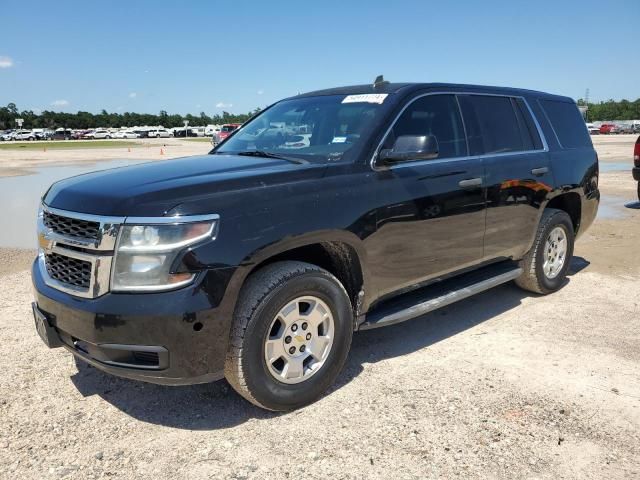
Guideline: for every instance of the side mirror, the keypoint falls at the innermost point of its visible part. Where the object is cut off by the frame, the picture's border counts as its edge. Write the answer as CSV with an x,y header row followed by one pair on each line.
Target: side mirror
x,y
411,147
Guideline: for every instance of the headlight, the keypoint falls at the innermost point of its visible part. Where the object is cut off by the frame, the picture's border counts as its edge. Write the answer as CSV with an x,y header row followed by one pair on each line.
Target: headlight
x,y
146,251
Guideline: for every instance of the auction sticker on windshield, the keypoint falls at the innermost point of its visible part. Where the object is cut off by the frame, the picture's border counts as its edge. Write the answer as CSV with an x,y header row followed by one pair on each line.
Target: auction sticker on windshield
x,y
366,98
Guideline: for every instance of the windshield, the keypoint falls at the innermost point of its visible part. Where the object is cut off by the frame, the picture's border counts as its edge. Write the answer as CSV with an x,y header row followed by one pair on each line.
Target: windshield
x,y
229,128
317,128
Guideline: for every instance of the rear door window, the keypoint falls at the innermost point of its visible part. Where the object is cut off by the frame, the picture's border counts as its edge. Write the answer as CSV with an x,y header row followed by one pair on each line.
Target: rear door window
x,y
436,115
493,126
567,123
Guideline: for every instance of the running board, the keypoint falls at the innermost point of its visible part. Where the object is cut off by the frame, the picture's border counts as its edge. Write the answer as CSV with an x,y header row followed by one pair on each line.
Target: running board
x,y
440,294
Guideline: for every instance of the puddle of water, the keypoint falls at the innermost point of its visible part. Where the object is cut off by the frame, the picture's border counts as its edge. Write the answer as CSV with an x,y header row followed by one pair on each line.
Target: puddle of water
x,y
21,196
614,166
612,207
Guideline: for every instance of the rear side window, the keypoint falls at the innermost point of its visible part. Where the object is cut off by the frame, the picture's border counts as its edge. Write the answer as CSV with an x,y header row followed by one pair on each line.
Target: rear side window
x,y
495,125
567,122
436,115
529,123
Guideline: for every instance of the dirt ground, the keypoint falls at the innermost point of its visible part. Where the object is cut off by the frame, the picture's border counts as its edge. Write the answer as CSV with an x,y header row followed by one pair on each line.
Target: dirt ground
x,y
503,385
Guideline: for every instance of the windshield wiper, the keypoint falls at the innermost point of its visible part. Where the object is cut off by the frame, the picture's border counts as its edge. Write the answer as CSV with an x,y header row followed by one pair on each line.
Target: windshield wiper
x,y
262,153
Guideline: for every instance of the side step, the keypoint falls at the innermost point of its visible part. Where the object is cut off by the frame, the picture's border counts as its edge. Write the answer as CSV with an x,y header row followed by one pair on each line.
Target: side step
x,y
440,294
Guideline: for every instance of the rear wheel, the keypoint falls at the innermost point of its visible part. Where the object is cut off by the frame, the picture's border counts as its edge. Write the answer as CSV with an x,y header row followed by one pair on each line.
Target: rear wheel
x,y
545,265
639,191
291,335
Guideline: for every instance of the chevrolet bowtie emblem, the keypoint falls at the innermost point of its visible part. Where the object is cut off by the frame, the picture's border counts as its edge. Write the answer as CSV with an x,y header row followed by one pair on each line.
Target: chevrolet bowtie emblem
x,y
299,338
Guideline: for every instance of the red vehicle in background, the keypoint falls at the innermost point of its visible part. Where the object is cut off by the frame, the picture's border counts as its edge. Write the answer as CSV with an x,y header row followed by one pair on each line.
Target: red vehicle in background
x,y
225,131
608,128
636,164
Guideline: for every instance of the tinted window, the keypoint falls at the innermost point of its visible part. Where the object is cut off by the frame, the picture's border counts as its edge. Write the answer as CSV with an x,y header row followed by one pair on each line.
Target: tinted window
x,y
436,115
493,126
529,123
567,122
337,128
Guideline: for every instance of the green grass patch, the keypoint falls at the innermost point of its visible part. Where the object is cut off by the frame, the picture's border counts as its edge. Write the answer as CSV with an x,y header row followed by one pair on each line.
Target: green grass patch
x,y
198,139
68,144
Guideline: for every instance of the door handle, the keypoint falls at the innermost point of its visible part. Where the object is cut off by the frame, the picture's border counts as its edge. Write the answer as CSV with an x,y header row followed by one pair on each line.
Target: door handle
x,y
538,172
470,183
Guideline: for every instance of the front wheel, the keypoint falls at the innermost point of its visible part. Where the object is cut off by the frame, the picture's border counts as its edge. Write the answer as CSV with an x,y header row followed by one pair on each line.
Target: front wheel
x,y
545,265
291,335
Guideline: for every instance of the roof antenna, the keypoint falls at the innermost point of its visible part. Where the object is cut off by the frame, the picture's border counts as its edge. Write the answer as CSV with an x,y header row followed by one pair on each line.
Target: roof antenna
x,y
379,81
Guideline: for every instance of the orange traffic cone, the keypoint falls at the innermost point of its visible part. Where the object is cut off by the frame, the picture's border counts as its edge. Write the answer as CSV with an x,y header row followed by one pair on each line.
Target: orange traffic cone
x,y
129,149
161,152
44,149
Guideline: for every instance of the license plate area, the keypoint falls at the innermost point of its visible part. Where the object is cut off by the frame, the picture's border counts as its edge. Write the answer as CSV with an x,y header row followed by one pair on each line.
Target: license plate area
x,y
46,332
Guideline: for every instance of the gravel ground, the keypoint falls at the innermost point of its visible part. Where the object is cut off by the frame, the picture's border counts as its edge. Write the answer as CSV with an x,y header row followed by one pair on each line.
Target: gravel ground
x,y
503,385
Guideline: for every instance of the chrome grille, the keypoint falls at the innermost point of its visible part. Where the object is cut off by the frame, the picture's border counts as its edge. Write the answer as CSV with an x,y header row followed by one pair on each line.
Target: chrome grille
x,y
71,227
67,270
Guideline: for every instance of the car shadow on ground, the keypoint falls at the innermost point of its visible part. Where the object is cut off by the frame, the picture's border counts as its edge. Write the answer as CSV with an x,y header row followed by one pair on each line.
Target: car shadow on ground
x,y
634,205
217,406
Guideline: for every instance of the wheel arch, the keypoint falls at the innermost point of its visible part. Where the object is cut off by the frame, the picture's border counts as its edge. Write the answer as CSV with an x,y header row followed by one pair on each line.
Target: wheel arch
x,y
571,203
339,252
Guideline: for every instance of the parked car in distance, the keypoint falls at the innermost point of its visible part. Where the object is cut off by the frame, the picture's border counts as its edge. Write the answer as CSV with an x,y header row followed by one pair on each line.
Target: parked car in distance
x,y
159,133
45,134
62,134
608,128
82,134
226,130
6,135
593,130
624,129
125,134
23,135
211,130
99,134
636,164
258,262
142,133
182,133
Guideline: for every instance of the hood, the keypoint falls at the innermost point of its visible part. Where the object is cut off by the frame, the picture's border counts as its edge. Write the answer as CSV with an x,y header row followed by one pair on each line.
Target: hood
x,y
153,189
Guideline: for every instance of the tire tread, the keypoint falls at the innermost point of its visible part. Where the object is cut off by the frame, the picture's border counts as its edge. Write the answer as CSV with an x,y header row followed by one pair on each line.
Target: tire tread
x,y
529,279
257,288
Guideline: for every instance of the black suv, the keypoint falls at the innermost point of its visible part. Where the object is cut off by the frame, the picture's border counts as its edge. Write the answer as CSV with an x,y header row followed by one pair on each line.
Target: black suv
x,y
258,261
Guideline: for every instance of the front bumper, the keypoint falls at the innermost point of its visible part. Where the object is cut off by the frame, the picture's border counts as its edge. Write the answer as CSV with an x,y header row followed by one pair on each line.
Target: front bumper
x,y
170,338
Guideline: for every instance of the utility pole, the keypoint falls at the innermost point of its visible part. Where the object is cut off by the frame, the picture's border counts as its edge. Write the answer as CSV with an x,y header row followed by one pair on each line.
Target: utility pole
x,y
586,102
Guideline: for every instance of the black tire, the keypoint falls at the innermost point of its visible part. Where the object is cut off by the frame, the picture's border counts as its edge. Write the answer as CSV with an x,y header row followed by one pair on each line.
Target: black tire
x,y
263,295
638,191
533,277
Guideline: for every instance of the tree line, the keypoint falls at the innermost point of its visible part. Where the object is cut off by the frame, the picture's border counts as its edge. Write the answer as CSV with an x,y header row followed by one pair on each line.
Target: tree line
x,y
53,120
609,110
612,110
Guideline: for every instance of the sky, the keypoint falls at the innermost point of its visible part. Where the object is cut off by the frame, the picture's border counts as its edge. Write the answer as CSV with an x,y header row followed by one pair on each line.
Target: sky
x,y
213,56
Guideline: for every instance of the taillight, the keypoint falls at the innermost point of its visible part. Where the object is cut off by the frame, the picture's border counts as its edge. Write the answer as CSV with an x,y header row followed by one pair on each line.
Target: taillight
x,y
636,153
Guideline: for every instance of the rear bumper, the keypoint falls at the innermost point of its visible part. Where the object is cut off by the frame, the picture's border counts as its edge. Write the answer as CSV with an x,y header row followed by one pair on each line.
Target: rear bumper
x,y
170,338
636,173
